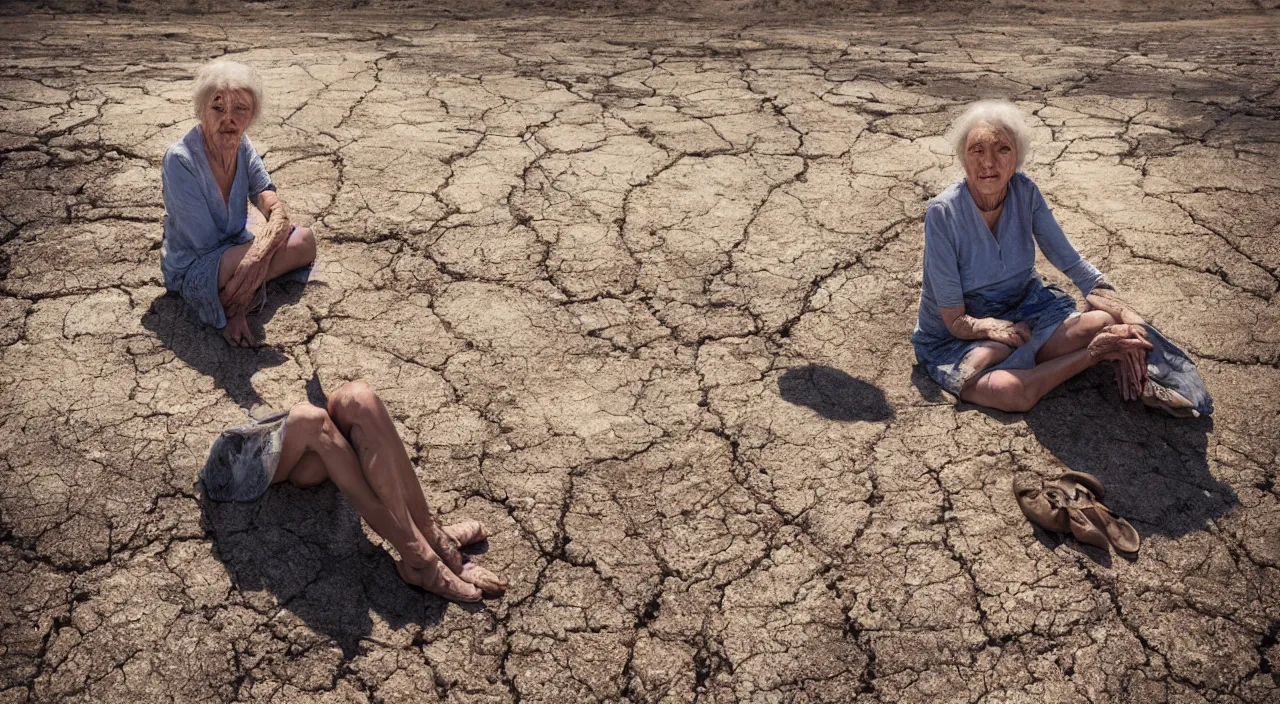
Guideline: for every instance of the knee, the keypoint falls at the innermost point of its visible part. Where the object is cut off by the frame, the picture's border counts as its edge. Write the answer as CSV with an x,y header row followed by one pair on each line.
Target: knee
x,y
1092,322
353,401
1011,396
303,242
310,420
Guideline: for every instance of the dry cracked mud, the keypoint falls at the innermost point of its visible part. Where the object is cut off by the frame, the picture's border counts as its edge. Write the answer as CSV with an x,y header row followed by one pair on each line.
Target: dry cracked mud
x,y
637,292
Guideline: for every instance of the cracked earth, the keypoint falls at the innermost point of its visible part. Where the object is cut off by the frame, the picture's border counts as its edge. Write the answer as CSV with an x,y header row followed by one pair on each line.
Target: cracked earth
x,y
638,293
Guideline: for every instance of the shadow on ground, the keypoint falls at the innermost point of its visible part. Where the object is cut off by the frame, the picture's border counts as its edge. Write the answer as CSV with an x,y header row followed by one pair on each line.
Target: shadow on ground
x,y
306,550
202,348
1155,468
927,387
833,394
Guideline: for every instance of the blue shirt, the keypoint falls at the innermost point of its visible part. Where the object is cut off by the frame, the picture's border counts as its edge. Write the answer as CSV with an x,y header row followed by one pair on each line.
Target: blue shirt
x,y
197,220
962,258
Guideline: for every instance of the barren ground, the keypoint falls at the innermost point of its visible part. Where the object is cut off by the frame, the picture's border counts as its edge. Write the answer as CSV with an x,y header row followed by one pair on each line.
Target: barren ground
x,y
638,292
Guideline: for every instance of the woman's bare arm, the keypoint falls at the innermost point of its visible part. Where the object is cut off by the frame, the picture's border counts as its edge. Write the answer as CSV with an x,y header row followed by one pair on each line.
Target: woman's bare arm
x,y
1106,299
967,327
277,229
252,271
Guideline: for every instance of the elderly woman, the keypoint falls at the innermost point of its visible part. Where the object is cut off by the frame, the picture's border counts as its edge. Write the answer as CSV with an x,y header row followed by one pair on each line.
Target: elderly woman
x,y
208,255
354,442
989,331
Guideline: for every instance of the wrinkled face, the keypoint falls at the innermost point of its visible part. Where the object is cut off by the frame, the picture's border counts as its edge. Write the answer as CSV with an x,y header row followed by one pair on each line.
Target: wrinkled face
x,y
226,117
990,159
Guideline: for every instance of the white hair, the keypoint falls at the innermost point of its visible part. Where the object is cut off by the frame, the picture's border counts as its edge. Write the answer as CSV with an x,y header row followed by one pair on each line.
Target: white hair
x,y
1000,114
222,74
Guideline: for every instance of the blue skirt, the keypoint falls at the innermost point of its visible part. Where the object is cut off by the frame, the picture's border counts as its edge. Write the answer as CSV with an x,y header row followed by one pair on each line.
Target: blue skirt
x,y
1042,308
243,460
199,287
1172,368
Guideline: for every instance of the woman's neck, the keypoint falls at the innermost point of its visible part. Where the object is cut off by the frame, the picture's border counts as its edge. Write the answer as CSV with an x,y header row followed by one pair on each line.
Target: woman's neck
x,y
224,159
992,203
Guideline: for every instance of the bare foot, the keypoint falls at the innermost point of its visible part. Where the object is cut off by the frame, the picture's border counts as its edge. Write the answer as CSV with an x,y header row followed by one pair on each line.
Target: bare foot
x,y
467,532
237,333
444,544
488,582
439,580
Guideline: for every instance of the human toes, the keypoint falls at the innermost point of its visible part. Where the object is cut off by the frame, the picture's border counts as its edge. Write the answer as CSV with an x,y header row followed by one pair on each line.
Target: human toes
x,y
439,580
467,532
488,582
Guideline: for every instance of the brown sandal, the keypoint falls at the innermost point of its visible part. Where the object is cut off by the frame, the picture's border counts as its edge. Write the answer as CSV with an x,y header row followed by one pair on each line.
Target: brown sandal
x,y
1072,503
1044,506
1084,529
1122,536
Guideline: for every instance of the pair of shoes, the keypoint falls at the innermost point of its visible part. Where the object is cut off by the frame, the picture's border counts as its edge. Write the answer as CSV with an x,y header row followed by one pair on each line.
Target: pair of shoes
x,y
1072,503
1170,401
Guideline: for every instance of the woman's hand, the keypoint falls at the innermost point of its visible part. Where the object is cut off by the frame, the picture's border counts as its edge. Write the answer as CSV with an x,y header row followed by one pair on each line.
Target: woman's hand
x,y
1124,344
967,327
1106,299
237,333
237,295
1131,374
1011,334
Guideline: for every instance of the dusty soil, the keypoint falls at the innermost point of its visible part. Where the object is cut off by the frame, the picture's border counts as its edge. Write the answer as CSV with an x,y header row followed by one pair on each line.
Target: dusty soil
x,y
638,293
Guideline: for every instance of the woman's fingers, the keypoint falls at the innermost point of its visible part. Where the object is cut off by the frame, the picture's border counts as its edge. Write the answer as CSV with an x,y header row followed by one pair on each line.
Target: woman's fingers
x,y
1133,344
1008,334
237,332
1122,379
1139,373
1133,374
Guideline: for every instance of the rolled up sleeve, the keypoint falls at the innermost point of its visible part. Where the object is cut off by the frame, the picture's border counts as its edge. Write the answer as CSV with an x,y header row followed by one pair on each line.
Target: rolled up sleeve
x,y
188,228
941,267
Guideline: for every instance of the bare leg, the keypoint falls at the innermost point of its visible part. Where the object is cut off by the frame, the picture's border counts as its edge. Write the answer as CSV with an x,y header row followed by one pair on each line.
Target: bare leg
x,y
1017,390
364,418
308,472
314,449
361,415
298,251
1074,334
